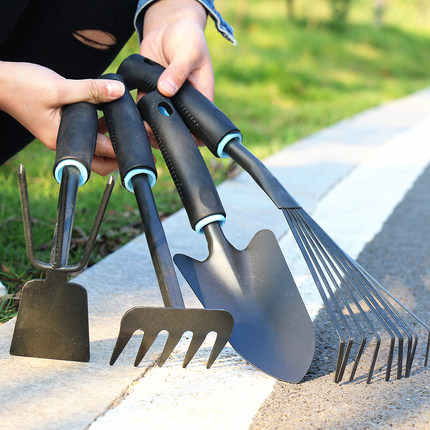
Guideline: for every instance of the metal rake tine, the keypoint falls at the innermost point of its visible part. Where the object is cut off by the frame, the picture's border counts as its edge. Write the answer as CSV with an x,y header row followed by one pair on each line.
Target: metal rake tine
x,y
147,341
377,312
427,350
387,293
327,261
216,349
363,283
171,342
92,237
120,344
357,359
26,219
195,344
310,261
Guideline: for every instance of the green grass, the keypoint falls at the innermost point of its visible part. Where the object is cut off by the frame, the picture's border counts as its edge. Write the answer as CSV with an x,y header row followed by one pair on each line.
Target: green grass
x,y
285,80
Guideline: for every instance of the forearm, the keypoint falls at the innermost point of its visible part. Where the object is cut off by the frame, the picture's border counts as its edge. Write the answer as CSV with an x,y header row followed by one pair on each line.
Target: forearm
x,y
208,5
169,12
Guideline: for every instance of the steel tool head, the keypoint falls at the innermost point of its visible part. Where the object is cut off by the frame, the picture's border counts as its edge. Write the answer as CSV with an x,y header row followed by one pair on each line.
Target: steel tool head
x,y
176,322
272,328
360,308
52,321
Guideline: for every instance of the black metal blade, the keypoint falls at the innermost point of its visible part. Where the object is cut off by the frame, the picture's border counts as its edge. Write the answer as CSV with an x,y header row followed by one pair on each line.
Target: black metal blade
x,y
272,328
176,322
52,321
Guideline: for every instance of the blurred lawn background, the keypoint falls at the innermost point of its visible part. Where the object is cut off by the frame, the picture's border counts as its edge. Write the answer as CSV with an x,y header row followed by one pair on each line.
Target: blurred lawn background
x,y
288,77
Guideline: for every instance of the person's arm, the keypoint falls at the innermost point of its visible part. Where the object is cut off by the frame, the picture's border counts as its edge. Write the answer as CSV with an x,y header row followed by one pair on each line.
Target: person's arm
x,y
35,95
173,35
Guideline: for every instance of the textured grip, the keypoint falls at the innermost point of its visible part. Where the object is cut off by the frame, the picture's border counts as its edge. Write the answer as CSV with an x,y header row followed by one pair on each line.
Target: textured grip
x,y
186,165
202,117
76,141
129,139
140,72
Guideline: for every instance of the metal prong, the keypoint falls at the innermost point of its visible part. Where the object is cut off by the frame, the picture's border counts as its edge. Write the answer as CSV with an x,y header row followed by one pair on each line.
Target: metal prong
x,y
195,344
96,226
120,344
26,219
216,349
172,341
147,341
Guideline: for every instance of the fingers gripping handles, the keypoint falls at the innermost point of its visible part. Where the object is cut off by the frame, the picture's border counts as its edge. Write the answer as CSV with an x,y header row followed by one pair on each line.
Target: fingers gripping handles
x,y
202,117
129,138
76,141
186,165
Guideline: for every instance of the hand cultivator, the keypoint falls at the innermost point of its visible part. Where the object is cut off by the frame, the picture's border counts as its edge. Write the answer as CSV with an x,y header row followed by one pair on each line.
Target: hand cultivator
x,y
52,319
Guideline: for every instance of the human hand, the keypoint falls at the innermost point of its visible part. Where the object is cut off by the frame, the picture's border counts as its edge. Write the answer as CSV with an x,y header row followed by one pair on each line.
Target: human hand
x,y
173,36
35,95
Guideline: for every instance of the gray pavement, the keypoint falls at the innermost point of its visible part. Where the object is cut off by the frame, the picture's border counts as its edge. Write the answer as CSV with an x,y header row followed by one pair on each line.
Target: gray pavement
x,y
47,394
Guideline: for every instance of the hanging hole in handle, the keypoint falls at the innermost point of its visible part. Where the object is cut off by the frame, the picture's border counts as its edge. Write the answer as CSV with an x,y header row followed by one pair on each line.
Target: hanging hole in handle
x,y
165,109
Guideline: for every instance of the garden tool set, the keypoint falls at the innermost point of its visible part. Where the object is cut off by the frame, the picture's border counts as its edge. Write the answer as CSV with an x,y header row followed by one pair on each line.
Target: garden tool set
x,y
356,302
249,296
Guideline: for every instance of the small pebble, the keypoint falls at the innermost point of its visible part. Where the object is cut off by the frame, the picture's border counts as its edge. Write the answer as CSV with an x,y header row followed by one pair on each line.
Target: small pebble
x,y
3,290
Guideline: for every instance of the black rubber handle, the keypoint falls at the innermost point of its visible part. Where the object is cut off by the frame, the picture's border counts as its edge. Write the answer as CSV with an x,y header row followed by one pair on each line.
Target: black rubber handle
x,y
186,165
128,135
208,123
201,116
76,140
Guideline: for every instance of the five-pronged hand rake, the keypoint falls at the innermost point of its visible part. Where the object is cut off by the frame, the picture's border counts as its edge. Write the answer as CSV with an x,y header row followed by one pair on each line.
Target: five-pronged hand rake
x,y
137,171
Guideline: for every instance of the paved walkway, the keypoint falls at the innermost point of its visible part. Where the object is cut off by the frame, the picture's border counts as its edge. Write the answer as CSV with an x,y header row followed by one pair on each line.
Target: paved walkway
x,y
350,177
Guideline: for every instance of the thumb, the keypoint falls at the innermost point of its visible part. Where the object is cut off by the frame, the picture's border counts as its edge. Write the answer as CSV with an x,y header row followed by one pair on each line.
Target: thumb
x,y
92,90
173,77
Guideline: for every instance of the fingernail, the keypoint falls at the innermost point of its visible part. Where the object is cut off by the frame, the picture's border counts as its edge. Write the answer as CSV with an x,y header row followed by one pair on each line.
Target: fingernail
x,y
169,86
115,89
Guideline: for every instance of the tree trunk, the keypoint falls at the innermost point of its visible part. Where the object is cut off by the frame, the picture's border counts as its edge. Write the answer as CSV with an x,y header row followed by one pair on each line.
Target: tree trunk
x,y
290,9
379,12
